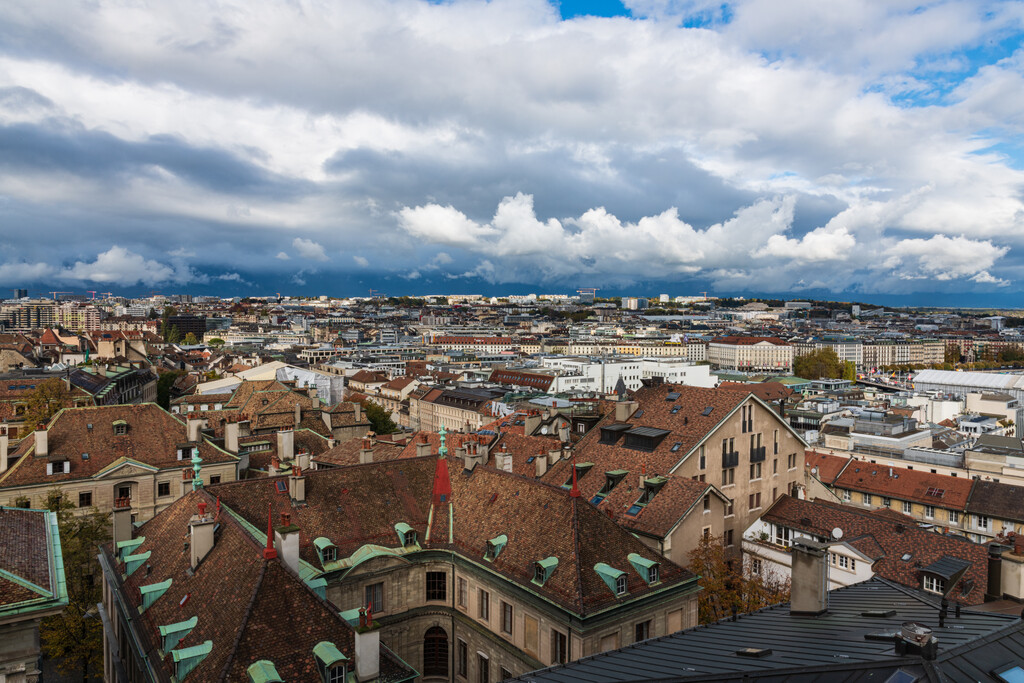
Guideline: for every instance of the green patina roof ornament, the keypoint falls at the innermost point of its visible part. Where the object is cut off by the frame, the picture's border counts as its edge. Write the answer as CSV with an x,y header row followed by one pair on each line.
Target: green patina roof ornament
x,y
197,465
443,450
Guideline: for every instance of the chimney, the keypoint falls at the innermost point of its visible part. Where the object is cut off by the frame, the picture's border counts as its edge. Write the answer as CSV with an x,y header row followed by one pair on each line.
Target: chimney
x,y
532,422
231,437
297,485
302,460
541,464
995,572
42,447
194,425
563,433
468,459
366,452
201,535
367,650
298,414
312,393
916,639
286,445
552,410
554,456
809,592
331,442
423,446
275,465
482,449
359,412
286,540
4,442
624,410
122,521
503,459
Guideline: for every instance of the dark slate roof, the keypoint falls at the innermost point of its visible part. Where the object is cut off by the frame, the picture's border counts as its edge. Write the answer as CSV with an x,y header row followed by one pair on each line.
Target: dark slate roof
x,y
830,647
996,499
946,566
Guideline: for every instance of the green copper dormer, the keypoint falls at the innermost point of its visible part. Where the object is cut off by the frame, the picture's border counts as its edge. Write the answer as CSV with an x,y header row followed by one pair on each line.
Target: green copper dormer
x,y
651,487
263,671
615,579
543,569
125,548
406,535
649,570
319,586
581,469
330,662
494,547
188,658
172,634
152,593
611,480
133,562
327,551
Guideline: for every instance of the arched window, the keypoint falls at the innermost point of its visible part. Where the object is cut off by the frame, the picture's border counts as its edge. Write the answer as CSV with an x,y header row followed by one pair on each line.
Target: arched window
x,y
435,652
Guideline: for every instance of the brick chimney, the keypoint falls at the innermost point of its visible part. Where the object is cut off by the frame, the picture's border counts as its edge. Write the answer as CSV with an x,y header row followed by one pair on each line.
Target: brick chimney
x,y
624,410
194,425
503,459
809,592
231,437
540,462
200,535
366,452
42,445
286,444
122,520
482,449
286,540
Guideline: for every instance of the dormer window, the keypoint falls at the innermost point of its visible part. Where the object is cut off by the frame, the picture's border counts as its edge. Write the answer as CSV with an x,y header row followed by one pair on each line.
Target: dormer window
x,y
611,479
615,579
120,428
649,570
58,467
327,551
406,535
494,547
651,487
581,469
543,569
621,584
184,453
331,664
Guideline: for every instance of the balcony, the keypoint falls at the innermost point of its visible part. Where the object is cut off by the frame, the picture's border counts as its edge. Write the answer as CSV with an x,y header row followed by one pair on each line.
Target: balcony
x,y
730,459
758,454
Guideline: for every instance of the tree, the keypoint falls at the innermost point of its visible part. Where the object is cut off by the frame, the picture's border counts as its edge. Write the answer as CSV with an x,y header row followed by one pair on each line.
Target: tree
x,y
46,401
165,324
820,364
190,339
849,370
74,639
730,588
216,342
163,387
379,418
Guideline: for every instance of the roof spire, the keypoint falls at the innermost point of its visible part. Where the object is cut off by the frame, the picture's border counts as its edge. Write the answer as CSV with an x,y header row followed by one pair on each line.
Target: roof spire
x,y
574,492
443,450
442,482
197,465
270,552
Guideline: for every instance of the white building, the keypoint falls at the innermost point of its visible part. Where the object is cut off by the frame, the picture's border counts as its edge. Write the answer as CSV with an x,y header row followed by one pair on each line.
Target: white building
x,y
602,375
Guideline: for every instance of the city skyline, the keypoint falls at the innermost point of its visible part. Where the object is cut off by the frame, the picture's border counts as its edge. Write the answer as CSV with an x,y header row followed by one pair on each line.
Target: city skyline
x,y
418,147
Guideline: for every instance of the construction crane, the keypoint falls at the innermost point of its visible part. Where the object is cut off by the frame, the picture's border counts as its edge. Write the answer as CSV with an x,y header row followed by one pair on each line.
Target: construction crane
x,y
106,295
93,292
56,293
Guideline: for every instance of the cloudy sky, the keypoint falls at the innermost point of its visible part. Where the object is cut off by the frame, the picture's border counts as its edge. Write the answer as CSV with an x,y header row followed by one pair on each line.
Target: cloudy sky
x,y
849,148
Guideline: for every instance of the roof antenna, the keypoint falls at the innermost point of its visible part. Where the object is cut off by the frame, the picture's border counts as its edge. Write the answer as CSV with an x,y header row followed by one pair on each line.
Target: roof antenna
x,y
270,552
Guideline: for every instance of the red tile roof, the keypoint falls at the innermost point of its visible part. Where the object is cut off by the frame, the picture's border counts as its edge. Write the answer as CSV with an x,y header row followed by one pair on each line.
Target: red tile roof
x,y
918,486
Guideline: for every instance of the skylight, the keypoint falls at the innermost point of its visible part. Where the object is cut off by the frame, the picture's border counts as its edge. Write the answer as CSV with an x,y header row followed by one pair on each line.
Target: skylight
x,y
672,396
707,411
937,493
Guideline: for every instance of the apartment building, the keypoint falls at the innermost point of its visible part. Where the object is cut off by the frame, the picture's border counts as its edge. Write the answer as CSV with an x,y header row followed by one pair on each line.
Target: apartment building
x,y
877,354
751,354
639,464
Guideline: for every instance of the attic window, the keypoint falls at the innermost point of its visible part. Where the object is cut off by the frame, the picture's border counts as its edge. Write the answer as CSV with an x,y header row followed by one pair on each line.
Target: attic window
x,y
494,547
120,427
281,486
611,479
937,493
906,557
651,487
707,411
543,569
639,413
327,551
263,671
676,409
58,467
581,470
406,534
649,570
672,396
621,584
330,662
676,446
615,579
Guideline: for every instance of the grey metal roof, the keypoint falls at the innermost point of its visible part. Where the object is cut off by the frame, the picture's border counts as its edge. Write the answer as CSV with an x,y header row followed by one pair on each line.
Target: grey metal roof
x,y
829,647
946,566
652,432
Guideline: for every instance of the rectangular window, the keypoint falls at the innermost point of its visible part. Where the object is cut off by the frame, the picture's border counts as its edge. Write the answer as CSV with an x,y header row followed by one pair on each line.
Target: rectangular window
x,y
506,618
887,502
982,522
783,535
214,479
707,502
375,596
729,510
791,461
703,458
867,499
437,586
954,517
728,538
934,585
755,567
728,476
463,592
85,499
124,491
929,511
844,562
505,674
846,495
484,665
775,466
483,610
642,631
908,507
755,500
462,665
163,488
755,471
559,647
776,442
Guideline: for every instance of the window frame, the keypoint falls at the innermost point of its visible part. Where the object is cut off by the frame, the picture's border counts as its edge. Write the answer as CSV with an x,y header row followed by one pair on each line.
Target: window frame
x,y
483,605
507,618
378,587
436,586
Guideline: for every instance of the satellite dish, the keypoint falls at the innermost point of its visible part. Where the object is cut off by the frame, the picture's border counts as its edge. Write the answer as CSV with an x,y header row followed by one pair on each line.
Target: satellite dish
x,y
544,429
837,533
814,471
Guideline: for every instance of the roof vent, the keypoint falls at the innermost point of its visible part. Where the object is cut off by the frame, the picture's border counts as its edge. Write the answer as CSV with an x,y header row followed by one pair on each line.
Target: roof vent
x,y
755,652
707,411
879,613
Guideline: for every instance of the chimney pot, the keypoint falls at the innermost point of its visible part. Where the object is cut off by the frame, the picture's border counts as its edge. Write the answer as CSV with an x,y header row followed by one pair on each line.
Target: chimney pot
x,y
202,508
286,519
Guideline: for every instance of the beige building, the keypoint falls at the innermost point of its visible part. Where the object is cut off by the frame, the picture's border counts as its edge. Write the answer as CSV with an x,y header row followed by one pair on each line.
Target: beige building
x,y
98,455
751,354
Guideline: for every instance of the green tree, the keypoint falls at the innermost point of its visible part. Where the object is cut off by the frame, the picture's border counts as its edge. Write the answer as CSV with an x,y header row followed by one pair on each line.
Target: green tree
x,y
74,639
379,418
46,401
849,370
190,339
165,325
216,342
820,364
163,387
728,586
173,335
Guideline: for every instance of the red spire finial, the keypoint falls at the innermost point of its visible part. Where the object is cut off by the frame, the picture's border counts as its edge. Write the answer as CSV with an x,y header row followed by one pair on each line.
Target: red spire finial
x,y
574,492
218,505
442,482
270,553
